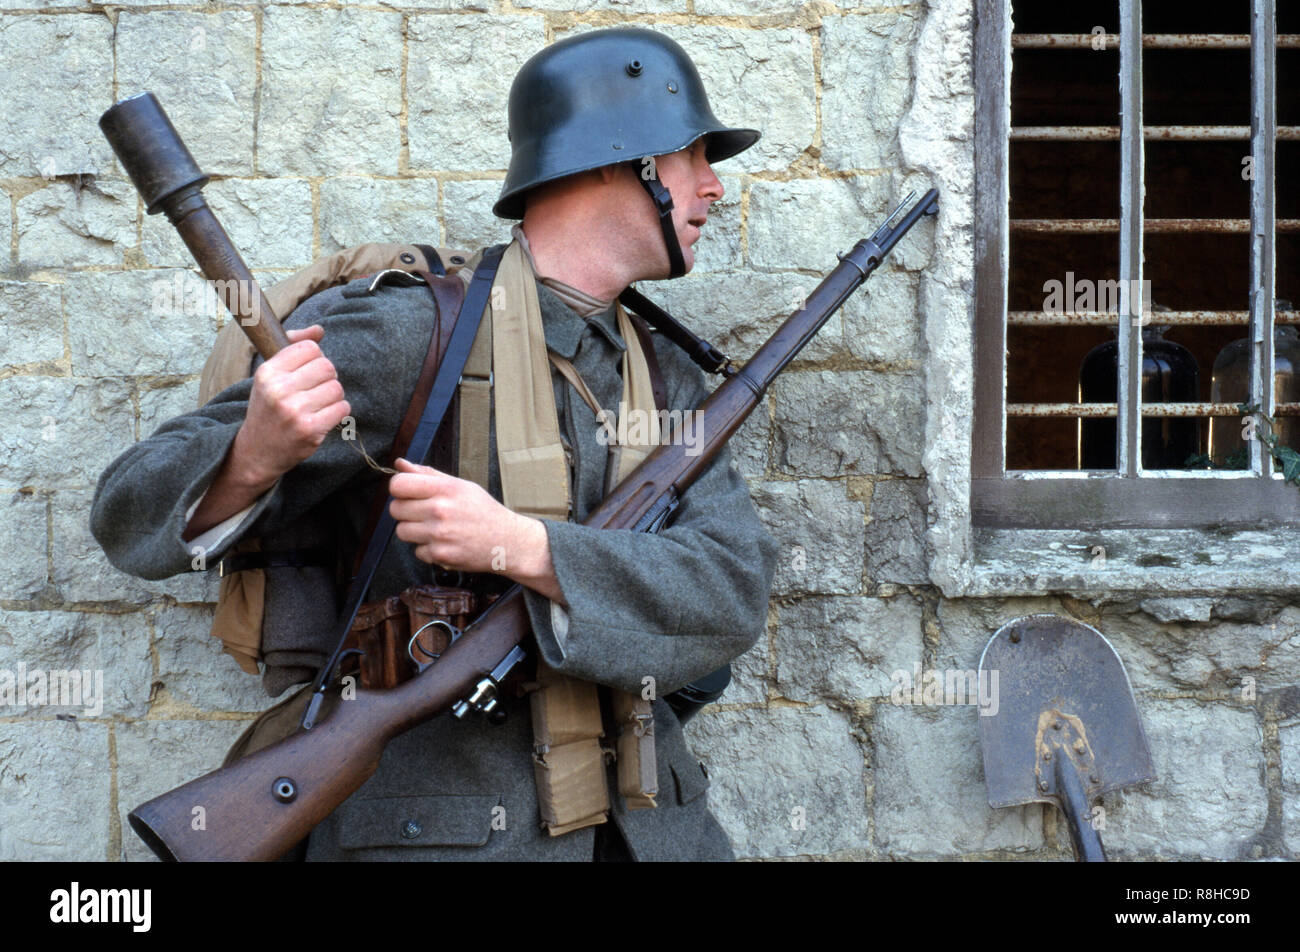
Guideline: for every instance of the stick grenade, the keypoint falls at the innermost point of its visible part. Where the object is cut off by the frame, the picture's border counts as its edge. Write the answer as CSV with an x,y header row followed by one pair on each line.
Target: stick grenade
x,y
169,180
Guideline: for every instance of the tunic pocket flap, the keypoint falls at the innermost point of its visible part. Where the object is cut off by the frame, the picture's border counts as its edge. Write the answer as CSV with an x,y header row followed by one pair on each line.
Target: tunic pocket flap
x,y
416,821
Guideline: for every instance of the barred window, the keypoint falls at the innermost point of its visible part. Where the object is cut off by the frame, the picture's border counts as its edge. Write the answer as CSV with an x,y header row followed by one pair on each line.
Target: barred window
x,y
1137,264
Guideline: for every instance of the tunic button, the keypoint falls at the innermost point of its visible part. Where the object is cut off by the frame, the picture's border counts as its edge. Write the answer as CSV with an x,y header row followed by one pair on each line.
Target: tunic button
x,y
411,829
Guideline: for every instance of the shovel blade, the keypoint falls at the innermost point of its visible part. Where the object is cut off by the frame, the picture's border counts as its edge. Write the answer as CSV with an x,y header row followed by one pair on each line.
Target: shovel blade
x,y
1060,688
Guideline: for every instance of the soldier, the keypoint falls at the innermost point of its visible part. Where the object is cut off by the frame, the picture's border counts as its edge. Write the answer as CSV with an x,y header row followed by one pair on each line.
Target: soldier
x,y
613,142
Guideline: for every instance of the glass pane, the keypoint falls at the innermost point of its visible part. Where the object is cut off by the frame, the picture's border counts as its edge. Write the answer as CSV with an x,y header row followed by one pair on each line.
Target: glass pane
x,y
1197,180
1059,272
1179,16
1197,272
1079,16
1064,179
1288,17
1286,340
1196,87
1065,87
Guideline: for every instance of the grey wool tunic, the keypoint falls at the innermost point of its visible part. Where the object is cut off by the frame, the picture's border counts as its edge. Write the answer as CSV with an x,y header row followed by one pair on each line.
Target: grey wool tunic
x,y
673,606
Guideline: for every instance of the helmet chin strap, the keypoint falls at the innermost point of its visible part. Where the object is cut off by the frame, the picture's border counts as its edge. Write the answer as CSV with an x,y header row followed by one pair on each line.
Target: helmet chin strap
x,y
663,200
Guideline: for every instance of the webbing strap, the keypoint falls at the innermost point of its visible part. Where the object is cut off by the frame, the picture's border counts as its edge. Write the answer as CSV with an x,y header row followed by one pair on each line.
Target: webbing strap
x,y
444,388
707,357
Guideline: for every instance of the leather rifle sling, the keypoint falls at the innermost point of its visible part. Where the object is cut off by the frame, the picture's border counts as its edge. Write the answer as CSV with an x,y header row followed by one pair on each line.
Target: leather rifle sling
x,y
444,388
448,295
707,357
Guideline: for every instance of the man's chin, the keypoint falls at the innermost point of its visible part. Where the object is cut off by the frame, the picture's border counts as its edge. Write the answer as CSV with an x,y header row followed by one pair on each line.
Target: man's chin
x,y
688,257
666,270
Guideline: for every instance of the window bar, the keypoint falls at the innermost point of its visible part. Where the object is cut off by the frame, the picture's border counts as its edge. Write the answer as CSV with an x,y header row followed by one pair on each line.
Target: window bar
x,y
1263,34
1148,409
1089,226
1174,318
1166,133
1171,317
1150,41
1129,392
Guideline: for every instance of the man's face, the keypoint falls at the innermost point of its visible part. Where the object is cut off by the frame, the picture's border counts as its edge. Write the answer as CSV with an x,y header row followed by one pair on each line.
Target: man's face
x,y
689,177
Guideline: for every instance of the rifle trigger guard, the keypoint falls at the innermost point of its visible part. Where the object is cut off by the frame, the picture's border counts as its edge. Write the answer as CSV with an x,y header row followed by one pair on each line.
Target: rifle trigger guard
x,y
411,646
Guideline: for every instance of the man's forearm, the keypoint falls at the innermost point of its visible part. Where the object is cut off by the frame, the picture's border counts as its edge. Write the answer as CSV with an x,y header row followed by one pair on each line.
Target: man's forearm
x,y
235,487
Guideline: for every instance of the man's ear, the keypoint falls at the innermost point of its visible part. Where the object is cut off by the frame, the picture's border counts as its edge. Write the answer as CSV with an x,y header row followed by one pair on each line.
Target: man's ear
x,y
608,173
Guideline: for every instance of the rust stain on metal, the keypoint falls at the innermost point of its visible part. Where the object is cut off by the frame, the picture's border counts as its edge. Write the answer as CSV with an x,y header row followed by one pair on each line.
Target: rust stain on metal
x,y
1150,41
1058,731
1061,410
1151,226
1160,318
1148,409
1183,133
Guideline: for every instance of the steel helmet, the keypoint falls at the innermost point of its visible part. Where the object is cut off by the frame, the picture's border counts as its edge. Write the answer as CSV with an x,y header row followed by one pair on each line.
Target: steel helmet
x,y
605,97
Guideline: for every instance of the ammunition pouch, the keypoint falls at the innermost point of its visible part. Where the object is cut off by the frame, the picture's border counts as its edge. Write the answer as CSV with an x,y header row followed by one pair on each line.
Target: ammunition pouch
x,y
399,634
568,759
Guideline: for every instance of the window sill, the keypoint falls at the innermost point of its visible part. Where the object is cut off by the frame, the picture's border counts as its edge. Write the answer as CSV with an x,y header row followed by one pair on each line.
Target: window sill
x,y
1084,562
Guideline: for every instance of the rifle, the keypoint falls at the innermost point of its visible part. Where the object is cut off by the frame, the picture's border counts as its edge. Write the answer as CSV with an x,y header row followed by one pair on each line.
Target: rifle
x,y
259,807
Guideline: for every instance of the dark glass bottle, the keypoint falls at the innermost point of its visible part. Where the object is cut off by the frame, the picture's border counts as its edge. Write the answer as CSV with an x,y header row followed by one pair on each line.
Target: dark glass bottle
x,y
1169,375
1230,383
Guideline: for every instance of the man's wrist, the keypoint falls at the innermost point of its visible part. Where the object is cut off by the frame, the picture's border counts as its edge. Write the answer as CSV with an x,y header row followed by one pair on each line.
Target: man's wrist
x,y
533,567
236,485
242,470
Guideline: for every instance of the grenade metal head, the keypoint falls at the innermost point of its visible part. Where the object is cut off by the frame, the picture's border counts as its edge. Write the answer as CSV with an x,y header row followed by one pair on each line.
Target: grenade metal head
x,y
150,149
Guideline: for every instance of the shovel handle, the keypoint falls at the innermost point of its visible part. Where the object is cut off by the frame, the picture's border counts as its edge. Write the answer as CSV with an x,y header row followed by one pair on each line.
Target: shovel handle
x,y
1085,839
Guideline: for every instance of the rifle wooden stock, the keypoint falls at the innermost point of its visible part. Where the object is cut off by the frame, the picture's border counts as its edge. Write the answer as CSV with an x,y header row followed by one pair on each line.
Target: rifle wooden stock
x,y
244,819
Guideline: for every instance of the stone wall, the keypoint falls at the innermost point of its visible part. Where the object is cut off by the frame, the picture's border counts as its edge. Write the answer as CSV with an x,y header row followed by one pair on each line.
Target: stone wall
x,y
325,125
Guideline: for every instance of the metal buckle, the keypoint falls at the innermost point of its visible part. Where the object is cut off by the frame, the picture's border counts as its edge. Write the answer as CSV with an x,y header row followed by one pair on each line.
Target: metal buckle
x,y
410,279
726,366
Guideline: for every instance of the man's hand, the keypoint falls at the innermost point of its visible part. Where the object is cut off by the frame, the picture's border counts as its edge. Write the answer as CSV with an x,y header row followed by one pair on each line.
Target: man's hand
x,y
457,524
295,401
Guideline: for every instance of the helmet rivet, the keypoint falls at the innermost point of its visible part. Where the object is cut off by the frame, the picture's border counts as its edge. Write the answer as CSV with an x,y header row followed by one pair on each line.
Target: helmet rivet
x,y
634,68
672,87
617,145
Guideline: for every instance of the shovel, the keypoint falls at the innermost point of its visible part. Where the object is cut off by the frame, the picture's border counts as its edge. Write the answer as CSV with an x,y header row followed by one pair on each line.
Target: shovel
x,y
1065,727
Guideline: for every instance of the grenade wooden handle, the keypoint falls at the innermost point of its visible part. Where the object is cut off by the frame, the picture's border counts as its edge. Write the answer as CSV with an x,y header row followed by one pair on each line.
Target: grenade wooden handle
x,y
169,180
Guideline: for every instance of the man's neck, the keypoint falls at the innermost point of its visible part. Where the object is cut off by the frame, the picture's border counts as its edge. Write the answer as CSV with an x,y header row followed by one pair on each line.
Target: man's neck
x,y
566,254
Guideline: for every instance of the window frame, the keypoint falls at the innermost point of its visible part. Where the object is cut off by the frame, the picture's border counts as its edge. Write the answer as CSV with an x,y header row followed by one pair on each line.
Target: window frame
x,y
1129,497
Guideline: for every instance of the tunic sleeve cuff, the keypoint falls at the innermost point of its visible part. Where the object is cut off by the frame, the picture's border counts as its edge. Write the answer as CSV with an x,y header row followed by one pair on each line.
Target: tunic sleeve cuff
x,y
210,539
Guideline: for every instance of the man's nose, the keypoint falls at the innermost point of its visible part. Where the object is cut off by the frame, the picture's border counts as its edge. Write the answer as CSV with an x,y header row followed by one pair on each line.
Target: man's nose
x,y
711,185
